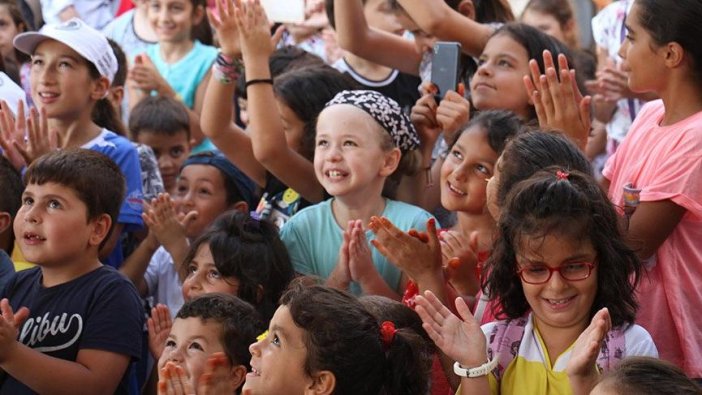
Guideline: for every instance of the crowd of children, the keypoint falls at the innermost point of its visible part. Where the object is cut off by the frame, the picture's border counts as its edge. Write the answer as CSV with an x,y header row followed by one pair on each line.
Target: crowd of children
x,y
197,200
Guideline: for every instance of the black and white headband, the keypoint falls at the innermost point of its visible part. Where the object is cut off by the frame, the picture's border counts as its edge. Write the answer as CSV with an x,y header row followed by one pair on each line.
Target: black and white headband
x,y
386,112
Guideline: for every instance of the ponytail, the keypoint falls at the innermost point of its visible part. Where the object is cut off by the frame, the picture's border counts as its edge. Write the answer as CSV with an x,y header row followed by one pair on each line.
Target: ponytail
x,y
105,116
409,359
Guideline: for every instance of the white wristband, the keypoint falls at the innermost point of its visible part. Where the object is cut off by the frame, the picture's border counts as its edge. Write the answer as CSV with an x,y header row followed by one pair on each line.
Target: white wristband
x,y
482,370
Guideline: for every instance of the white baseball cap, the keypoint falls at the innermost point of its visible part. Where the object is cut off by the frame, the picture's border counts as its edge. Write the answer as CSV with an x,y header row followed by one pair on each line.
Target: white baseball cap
x,y
88,42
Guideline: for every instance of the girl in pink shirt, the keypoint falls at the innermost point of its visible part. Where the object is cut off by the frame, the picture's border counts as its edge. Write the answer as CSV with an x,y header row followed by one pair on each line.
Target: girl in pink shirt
x,y
662,158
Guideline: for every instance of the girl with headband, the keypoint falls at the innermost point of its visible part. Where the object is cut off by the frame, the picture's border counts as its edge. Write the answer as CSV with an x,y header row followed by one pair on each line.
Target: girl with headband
x,y
362,139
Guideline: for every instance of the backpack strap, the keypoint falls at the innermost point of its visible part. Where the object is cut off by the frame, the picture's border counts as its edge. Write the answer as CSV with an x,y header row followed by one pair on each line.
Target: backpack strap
x,y
504,341
613,349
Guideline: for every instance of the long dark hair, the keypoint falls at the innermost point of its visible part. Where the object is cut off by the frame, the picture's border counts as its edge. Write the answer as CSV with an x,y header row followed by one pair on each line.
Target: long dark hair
x,y
548,204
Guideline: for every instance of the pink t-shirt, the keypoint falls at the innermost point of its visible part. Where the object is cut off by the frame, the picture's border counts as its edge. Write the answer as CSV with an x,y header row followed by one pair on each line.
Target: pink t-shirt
x,y
665,162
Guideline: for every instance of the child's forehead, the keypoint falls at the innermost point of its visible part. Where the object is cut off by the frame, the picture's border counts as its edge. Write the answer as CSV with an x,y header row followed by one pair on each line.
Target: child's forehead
x,y
196,326
57,48
341,119
554,244
51,188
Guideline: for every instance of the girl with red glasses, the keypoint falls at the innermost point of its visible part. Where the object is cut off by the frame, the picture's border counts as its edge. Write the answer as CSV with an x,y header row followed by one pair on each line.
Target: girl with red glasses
x,y
563,275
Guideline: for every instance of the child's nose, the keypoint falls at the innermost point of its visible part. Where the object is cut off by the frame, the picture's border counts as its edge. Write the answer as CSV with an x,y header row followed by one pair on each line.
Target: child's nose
x,y
254,348
557,281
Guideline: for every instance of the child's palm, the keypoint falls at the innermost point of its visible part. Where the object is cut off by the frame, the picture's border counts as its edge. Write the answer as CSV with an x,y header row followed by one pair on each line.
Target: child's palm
x,y
461,339
224,23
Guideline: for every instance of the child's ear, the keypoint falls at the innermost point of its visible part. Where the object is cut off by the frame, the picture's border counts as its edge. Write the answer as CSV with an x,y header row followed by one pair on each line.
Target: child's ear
x,y
392,160
198,14
100,88
101,226
674,54
467,9
323,383
240,206
238,375
5,221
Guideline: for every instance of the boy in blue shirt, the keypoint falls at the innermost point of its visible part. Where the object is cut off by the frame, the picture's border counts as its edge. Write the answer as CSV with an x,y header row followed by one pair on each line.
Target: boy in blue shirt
x,y
70,322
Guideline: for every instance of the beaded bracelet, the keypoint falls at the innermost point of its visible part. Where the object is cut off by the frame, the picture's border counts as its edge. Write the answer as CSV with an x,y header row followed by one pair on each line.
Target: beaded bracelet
x,y
226,69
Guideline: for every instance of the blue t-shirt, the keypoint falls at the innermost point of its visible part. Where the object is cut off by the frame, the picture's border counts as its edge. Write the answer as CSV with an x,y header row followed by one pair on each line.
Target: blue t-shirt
x,y
125,155
313,239
99,310
7,269
185,75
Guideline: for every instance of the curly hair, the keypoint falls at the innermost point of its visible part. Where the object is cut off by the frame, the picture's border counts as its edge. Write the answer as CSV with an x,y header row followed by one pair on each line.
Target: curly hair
x,y
343,337
251,251
545,204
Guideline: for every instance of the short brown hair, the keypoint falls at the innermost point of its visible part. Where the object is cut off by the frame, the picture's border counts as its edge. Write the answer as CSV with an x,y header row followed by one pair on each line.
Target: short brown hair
x,y
96,179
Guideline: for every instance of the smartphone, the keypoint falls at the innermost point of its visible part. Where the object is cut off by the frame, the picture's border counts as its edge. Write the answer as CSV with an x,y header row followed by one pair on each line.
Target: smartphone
x,y
445,67
285,11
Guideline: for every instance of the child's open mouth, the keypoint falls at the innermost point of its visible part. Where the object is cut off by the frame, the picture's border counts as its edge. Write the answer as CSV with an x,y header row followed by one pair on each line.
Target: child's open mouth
x,y
336,174
33,237
560,303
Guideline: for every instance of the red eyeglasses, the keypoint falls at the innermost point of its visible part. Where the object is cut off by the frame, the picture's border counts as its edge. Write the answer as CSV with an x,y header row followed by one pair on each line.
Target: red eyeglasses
x,y
541,274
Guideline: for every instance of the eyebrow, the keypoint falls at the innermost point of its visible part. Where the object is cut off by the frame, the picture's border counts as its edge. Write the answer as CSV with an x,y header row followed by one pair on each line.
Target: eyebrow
x,y
71,57
575,257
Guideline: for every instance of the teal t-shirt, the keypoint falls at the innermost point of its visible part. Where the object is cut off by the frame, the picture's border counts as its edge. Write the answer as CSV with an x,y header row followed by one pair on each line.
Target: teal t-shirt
x,y
313,239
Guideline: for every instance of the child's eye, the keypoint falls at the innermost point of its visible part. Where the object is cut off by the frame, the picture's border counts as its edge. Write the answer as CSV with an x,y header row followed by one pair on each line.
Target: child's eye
x,y
457,154
574,267
536,270
205,191
181,190
482,169
214,274
504,63
350,143
322,143
54,204
27,201
482,61
192,269
65,65
275,340
170,343
196,346
177,152
37,62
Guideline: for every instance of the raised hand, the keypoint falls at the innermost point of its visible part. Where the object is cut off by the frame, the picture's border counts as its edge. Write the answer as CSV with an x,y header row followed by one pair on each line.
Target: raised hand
x,y
254,30
460,256
12,132
423,117
216,378
558,102
159,326
461,339
418,255
29,138
168,227
360,259
172,380
341,276
587,347
10,323
224,23
453,113
144,75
